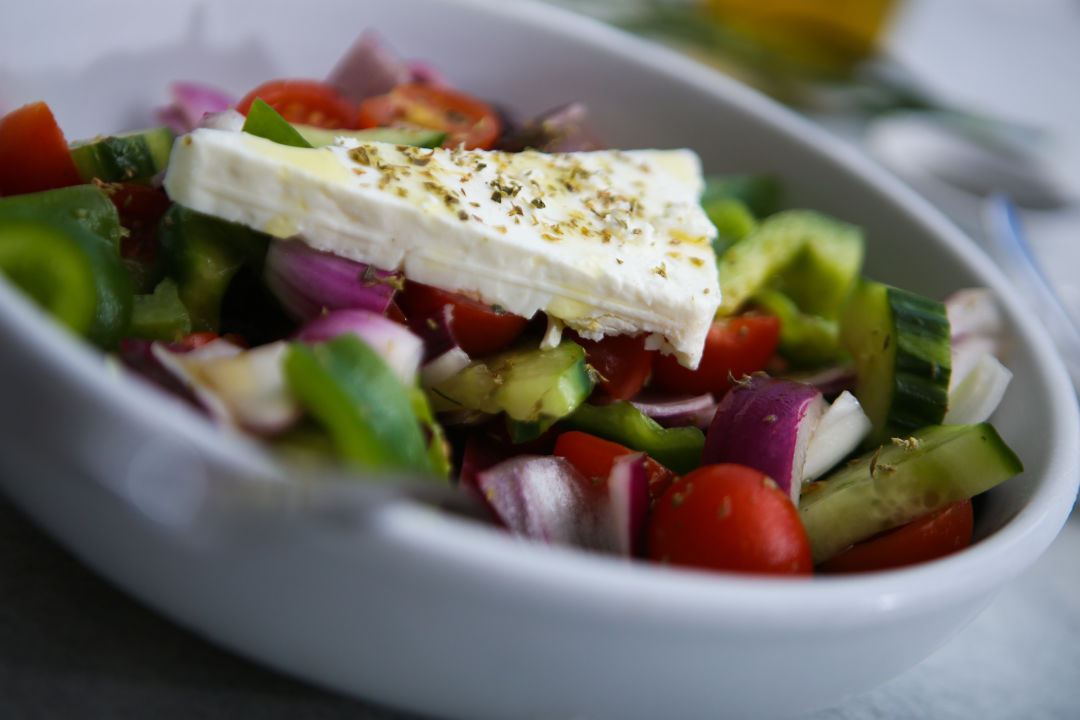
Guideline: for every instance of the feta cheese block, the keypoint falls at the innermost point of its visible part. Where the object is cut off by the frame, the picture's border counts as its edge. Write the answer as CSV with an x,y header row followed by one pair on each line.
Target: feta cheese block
x,y
607,242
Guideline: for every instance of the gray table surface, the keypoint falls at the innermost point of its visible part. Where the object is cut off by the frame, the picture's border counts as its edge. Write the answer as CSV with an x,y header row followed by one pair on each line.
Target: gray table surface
x,y
72,646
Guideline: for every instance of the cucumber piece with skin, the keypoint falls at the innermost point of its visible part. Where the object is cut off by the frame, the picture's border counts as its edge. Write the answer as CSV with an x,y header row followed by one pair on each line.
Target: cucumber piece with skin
x,y
531,385
125,157
417,137
202,254
900,344
902,481
160,315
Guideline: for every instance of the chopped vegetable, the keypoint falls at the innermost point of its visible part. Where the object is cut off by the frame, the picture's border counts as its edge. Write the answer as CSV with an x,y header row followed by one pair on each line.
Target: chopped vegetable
x,y
467,121
930,537
56,255
594,457
399,348
33,152
308,102
263,121
575,427
160,315
533,386
731,518
766,423
191,102
352,392
134,156
901,481
735,348
307,282
203,254
546,498
900,344
679,448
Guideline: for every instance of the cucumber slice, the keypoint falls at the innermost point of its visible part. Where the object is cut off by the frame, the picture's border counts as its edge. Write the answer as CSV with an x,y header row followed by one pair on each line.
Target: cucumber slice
x,y
902,481
203,254
418,137
825,257
160,315
126,157
900,344
531,385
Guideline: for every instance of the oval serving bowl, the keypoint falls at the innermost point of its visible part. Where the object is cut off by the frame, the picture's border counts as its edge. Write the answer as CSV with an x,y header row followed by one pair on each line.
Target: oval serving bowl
x,y
420,610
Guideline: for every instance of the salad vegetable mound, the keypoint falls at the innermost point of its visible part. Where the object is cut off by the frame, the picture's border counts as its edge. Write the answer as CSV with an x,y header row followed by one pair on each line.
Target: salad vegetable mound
x,y
833,423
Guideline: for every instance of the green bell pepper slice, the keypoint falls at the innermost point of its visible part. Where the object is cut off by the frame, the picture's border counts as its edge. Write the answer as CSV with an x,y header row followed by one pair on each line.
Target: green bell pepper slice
x,y
348,388
679,448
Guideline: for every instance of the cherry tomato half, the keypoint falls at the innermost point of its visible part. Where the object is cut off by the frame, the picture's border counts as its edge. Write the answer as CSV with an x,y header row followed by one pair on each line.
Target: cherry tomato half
x,y
735,347
594,456
464,118
729,517
307,102
933,536
478,328
34,155
622,361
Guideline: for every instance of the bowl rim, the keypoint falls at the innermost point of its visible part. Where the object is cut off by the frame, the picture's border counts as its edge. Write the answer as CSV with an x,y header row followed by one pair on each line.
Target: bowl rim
x,y
577,578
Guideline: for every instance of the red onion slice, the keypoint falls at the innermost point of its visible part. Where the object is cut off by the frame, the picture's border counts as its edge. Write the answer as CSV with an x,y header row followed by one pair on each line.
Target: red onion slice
x,y
239,388
139,356
557,130
371,68
443,357
975,398
190,102
831,381
307,281
838,433
545,498
229,120
628,494
696,411
766,423
973,311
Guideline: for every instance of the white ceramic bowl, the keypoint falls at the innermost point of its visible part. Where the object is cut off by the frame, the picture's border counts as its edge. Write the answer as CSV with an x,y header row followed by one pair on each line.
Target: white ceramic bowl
x,y
419,610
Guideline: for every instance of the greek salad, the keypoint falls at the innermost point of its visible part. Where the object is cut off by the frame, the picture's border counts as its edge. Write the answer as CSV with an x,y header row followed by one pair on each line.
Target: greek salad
x,y
608,349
